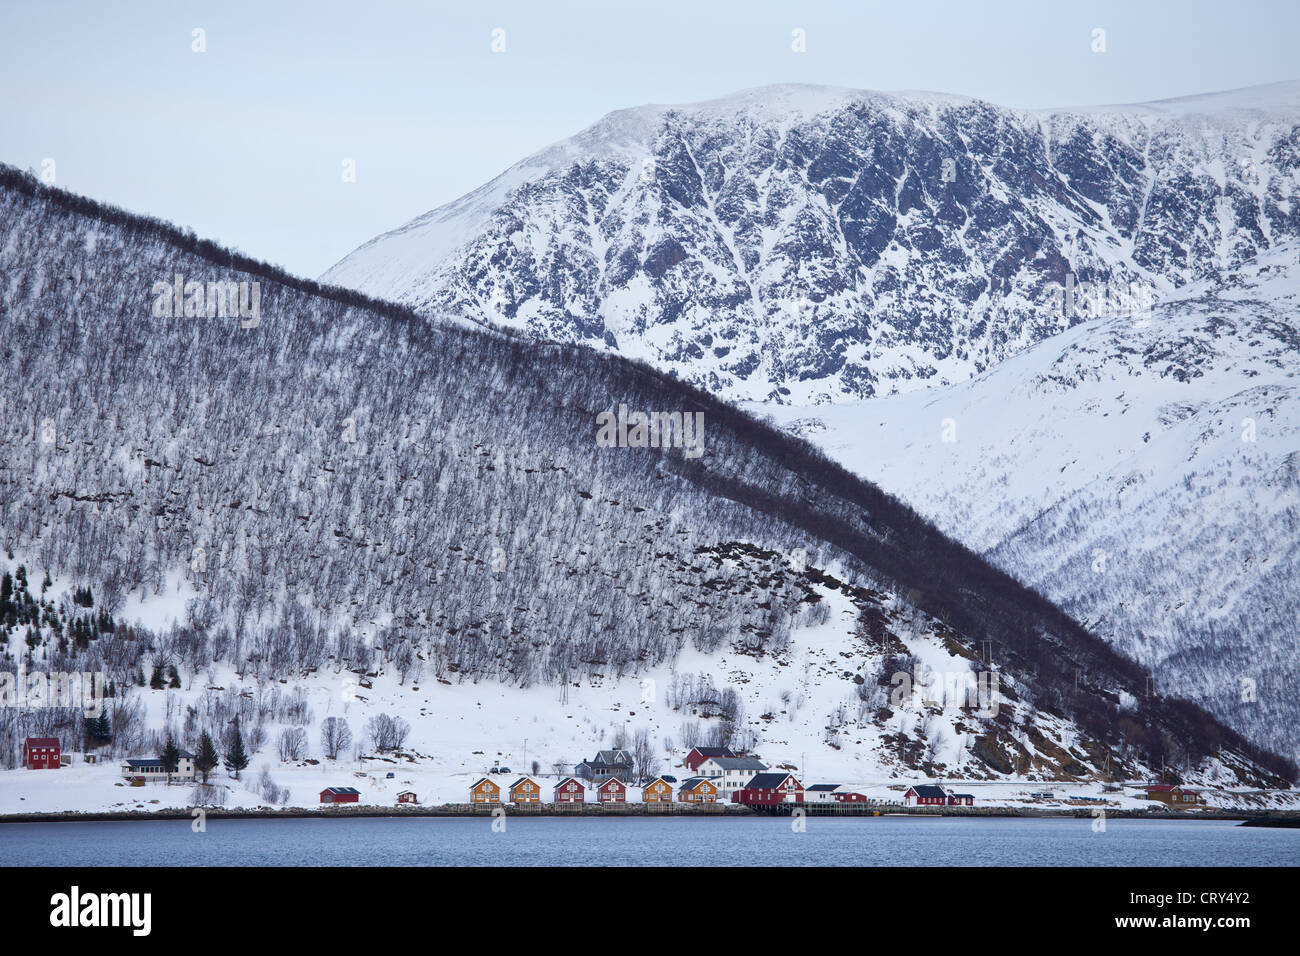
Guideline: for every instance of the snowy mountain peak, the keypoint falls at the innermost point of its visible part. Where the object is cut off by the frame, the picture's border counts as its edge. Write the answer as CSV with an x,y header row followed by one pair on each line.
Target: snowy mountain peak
x,y
809,244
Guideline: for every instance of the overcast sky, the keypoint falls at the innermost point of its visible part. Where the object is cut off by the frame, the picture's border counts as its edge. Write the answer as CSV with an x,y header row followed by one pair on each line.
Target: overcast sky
x,y
245,142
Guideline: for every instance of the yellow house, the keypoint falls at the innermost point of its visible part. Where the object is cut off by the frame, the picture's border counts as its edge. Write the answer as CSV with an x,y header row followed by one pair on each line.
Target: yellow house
x,y
525,790
484,791
697,790
657,790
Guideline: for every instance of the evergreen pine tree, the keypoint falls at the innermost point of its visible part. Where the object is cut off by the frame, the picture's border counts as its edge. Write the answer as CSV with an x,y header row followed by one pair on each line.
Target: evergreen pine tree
x,y
171,756
236,757
206,760
101,730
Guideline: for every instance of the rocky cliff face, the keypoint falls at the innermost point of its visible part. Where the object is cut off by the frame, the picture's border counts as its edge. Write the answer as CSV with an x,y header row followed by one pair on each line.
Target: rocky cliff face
x,y
803,244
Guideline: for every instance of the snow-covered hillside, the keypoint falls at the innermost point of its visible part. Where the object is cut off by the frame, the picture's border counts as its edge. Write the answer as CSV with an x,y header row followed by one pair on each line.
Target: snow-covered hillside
x,y
804,244
423,504
802,708
1144,472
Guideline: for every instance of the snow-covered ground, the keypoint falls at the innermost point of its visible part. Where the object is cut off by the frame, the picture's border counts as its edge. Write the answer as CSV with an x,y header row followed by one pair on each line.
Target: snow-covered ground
x,y
90,788
459,731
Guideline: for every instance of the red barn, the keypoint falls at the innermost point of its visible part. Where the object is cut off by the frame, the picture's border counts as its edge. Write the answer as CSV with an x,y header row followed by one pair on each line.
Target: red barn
x,y
961,800
612,790
925,795
41,753
769,789
340,795
569,790
698,755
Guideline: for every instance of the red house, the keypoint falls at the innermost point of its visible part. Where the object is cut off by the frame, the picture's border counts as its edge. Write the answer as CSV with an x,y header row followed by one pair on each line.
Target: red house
x,y
612,790
407,796
698,755
340,795
569,790
1174,795
849,797
41,753
961,800
769,789
925,795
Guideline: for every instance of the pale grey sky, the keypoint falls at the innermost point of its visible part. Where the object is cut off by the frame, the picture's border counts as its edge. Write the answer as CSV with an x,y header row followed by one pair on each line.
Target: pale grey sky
x,y
244,142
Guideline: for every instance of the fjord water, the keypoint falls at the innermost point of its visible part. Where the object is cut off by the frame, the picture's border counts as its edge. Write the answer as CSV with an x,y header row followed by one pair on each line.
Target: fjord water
x,y
449,841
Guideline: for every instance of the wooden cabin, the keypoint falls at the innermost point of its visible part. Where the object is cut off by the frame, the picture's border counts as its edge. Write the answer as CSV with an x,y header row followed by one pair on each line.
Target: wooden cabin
x,y
525,790
697,790
612,790
570,790
485,791
657,790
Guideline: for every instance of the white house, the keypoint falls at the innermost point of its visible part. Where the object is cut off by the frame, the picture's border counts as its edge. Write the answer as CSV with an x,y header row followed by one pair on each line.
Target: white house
x,y
730,774
820,793
151,768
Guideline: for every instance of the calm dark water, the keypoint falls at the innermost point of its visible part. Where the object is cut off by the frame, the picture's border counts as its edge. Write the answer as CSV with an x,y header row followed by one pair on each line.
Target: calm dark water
x,y
429,841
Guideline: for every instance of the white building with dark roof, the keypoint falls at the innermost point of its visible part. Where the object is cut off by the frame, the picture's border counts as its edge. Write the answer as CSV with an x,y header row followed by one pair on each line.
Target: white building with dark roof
x,y
151,769
730,774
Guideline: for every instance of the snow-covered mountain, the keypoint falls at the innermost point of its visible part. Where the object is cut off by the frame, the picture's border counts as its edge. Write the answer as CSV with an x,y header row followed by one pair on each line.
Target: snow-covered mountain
x,y
803,247
348,495
1145,473
808,244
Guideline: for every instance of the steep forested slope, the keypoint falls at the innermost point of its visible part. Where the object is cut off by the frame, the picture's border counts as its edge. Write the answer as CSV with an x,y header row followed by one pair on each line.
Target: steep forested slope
x,y
338,467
